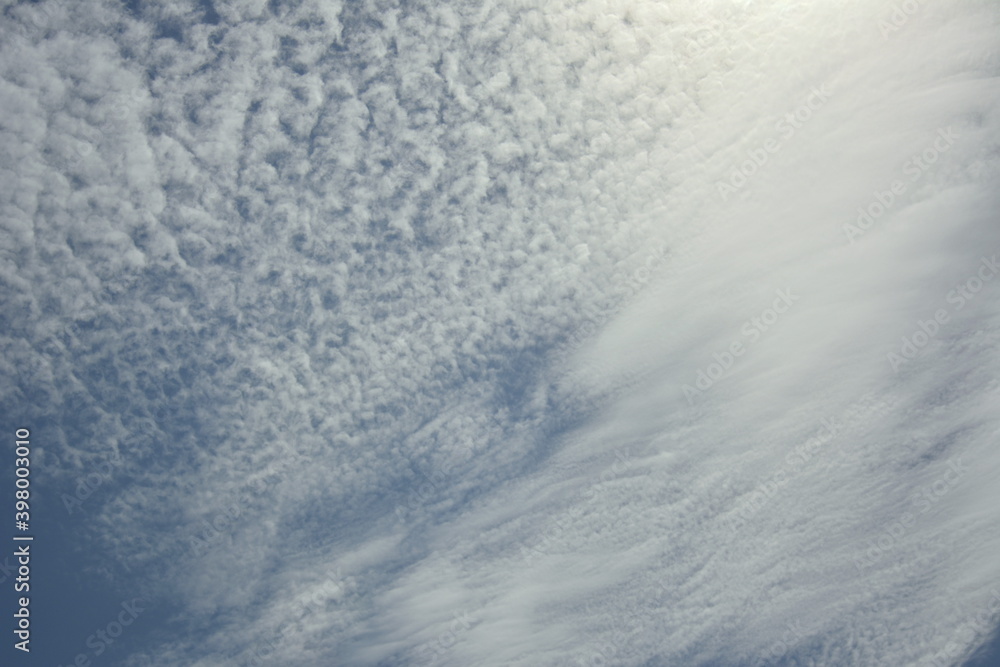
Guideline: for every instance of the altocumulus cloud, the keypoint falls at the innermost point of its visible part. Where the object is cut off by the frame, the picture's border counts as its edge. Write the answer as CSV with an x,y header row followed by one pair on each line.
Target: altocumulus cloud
x,y
286,261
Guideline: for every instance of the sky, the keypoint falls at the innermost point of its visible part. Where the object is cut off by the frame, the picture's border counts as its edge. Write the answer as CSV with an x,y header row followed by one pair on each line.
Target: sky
x,y
502,332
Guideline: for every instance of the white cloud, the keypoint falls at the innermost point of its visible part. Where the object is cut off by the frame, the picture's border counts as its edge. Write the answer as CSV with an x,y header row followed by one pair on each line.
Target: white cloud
x,y
350,250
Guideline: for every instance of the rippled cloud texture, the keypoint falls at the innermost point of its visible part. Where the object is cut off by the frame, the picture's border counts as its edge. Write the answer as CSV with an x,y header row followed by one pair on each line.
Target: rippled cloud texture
x,y
508,333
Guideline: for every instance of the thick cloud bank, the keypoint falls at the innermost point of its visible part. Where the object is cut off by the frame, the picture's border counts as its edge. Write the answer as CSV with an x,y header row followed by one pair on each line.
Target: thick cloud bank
x,y
510,333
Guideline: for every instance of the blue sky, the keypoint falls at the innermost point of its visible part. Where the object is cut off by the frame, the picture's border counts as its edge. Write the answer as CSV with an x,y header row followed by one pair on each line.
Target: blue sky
x,y
503,333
